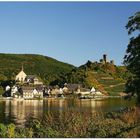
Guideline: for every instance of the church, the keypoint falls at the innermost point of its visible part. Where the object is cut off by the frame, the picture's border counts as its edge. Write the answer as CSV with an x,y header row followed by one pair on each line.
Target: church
x,y
22,77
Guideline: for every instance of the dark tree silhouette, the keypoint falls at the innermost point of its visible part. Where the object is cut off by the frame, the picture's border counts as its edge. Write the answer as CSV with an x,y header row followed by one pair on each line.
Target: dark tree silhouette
x,y
132,57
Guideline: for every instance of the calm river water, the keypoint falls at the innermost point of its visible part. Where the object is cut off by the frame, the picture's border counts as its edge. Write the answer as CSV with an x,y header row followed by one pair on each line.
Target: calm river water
x,y
20,111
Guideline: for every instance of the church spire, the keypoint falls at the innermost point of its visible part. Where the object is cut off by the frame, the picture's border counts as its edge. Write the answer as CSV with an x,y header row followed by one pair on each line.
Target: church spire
x,y
22,68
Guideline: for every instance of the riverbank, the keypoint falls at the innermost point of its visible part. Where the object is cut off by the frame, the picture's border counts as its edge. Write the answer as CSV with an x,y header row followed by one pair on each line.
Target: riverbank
x,y
66,96
124,124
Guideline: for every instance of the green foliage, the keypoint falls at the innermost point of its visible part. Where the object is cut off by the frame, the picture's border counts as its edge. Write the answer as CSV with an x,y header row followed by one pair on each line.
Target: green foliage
x,y
114,90
52,133
36,128
1,90
132,56
75,125
30,133
76,76
3,130
3,77
11,130
45,67
21,133
101,76
107,128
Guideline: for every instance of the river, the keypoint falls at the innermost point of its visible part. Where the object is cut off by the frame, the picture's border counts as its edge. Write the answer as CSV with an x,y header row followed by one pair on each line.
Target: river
x,y
19,112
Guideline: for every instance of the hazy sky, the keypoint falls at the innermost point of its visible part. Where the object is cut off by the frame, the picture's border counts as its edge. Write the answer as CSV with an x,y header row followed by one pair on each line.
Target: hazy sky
x,y
72,32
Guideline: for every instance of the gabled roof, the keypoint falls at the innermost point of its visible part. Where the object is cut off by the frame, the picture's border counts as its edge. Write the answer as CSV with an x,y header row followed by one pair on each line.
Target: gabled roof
x,y
30,88
21,72
73,86
84,89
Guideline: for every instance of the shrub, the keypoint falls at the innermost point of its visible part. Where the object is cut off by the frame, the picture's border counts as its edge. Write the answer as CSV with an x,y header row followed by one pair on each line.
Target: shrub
x,y
29,133
11,131
74,124
3,130
37,128
107,128
50,133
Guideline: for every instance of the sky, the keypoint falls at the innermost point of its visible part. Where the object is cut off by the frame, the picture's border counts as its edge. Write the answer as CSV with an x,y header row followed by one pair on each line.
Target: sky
x,y
72,32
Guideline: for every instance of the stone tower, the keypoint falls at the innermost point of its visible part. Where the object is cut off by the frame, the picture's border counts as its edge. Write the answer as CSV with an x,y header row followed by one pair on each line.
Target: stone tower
x,y
104,58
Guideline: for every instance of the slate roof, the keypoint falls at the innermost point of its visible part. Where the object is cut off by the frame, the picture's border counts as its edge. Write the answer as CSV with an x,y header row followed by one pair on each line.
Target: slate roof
x,y
73,87
30,88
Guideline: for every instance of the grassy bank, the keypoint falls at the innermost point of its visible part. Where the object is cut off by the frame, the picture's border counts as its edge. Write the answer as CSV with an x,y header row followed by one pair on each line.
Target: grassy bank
x,y
71,124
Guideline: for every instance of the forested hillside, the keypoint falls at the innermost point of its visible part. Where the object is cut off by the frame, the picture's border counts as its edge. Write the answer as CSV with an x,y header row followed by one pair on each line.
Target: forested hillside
x,y
108,78
47,68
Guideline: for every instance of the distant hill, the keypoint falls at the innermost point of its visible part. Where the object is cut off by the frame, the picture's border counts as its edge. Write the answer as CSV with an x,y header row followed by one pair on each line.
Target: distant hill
x,y
108,78
47,68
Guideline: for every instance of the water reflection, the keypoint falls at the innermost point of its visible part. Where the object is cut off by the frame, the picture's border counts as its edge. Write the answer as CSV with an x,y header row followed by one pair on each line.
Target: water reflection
x,y
56,106
20,111
7,108
90,105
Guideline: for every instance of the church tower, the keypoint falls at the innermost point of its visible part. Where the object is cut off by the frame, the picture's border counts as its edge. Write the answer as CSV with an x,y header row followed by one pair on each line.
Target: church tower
x,y
21,75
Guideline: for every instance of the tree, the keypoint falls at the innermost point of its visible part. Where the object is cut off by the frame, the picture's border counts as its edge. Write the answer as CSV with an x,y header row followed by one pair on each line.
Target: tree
x,y
132,57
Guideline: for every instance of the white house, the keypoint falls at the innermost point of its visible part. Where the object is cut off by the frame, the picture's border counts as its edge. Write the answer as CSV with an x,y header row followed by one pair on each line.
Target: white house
x,y
7,88
31,92
14,90
33,79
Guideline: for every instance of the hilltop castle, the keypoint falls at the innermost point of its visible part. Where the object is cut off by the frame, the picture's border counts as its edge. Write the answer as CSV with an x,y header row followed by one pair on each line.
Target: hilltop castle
x,y
105,60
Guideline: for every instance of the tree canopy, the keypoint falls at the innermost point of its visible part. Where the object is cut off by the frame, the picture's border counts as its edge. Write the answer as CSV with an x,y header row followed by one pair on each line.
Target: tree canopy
x,y
132,57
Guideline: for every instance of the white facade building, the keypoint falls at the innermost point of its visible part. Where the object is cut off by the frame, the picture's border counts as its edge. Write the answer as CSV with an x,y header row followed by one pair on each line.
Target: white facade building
x,y
30,93
21,76
30,79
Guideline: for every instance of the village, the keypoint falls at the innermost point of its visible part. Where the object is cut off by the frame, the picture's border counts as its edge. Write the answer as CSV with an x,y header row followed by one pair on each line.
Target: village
x,y
32,87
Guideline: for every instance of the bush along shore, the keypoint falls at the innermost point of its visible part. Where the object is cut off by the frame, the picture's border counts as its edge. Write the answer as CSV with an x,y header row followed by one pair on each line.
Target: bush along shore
x,y
70,124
